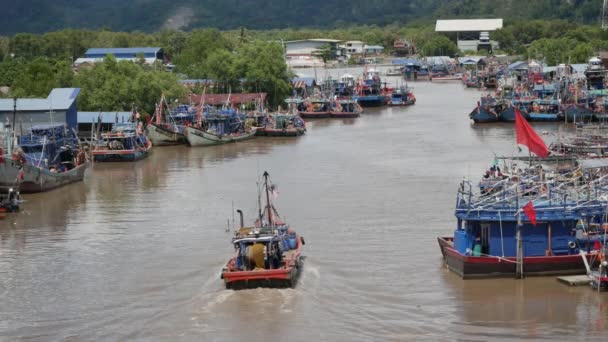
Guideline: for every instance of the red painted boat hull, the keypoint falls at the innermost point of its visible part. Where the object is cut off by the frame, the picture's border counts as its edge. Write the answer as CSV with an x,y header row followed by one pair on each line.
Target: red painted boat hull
x,y
314,115
470,267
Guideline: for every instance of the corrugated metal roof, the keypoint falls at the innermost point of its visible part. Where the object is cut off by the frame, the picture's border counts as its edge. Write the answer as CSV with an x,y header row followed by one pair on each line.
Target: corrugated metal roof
x,y
58,99
83,60
466,25
405,61
106,117
134,50
374,47
300,82
313,40
220,99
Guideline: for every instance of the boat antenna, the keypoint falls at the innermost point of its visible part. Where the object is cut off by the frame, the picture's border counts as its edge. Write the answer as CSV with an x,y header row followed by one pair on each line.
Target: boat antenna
x,y
268,199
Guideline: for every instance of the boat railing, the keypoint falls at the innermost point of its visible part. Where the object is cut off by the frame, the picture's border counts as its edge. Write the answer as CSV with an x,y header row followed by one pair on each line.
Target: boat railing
x,y
547,195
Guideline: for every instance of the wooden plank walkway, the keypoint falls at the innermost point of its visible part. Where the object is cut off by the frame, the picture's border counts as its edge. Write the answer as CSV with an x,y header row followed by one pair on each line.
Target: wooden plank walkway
x,y
576,280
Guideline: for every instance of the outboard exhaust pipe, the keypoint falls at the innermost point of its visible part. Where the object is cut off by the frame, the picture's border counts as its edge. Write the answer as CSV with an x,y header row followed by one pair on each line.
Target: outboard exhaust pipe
x,y
241,217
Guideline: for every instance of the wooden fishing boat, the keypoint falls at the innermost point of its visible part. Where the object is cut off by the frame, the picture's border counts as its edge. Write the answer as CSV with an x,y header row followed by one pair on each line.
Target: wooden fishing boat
x,y
316,109
125,143
46,158
269,254
346,108
448,78
279,125
165,130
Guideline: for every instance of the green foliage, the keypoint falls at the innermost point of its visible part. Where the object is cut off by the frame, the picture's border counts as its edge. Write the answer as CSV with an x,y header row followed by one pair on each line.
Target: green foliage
x,y
438,45
265,70
152,15
112,85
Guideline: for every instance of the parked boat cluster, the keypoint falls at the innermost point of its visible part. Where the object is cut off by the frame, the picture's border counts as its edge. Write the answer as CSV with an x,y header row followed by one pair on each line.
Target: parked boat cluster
x,y
559,95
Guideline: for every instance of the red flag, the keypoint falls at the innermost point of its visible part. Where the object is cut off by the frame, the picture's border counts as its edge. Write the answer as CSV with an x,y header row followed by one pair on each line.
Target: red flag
x,y
530,212
527,136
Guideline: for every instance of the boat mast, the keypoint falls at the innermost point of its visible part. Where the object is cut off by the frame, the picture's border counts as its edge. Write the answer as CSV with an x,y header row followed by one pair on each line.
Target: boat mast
x,y
268,206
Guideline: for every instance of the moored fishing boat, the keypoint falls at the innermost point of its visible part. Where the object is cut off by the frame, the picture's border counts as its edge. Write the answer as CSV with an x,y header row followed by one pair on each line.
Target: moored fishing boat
x,y
488,110
403,96
268,254
280,125
370,91
46,158
346,108
164,130
125,143
315,108
533,225
219,127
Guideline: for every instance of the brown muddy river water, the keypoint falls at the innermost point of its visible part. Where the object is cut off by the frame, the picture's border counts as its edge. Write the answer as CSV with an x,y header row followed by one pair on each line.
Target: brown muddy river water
x,y
135,251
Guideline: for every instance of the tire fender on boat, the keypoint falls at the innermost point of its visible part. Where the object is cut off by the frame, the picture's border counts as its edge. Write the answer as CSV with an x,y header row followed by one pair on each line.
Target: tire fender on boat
x,y
302,239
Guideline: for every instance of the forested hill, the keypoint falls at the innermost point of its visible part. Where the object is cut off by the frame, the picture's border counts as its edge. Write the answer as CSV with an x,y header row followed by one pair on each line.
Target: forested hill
x,y
153,15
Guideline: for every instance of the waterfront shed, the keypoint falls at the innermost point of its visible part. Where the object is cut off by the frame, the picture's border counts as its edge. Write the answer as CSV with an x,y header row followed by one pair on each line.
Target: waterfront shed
x,y
58,107
467,32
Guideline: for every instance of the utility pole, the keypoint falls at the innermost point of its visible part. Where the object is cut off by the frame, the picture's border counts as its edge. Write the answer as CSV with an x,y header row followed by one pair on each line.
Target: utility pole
x,y
605,15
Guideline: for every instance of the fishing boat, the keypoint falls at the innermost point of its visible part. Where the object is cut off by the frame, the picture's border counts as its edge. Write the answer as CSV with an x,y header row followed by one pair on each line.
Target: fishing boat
x,y
268,254
544,110
447,78
164,129
370,91
220,126
125,143
599,275
394,72
279,125
345,108
47,157
403,96
315,108
10,202
494,235
488,110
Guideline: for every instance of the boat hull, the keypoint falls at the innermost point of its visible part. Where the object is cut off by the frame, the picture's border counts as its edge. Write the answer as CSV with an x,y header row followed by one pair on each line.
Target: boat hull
x,y
402,103
273,132
471,267
372,101
119,156
161,136
197,137
480,115
36,179
314,115
345,114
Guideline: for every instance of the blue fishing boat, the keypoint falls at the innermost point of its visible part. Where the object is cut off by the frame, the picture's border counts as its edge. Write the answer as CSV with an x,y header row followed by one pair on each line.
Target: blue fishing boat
x,y
488,110
403,96
220,126
370,91
547,229
544,110
125,143
47,157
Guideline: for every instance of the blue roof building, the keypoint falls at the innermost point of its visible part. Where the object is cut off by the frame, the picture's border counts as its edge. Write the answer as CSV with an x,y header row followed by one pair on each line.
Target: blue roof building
x,y
58,107
149,54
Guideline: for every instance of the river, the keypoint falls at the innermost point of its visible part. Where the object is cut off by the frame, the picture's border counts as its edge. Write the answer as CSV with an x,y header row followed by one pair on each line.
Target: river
x,y
135,251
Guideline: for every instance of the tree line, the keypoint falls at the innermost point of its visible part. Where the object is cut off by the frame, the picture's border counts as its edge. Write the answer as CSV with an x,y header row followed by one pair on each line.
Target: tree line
x,y
241,60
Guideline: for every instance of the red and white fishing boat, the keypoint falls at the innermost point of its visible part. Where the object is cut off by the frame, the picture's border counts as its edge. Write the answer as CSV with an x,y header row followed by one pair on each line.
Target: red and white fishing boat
x,y
267,254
